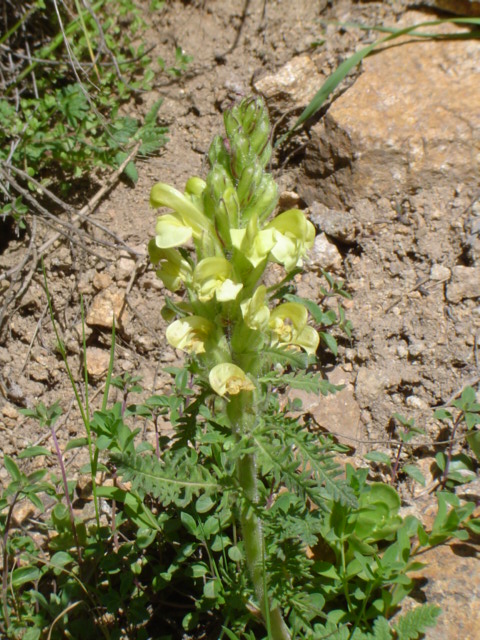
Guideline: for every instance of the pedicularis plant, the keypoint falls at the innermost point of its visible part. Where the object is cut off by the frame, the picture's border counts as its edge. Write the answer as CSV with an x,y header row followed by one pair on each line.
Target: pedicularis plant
x,y
245,341
229,323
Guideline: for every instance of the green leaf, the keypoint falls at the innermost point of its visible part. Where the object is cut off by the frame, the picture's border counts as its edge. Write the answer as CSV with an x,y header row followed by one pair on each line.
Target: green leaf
x,y
212,589
198,570
379,456
61,559
130,170
23,575
76,443
414,472
471,419
416,621
32,452
145,537
235,554
12,468
473,440
443,414
330,342
204,504
189,522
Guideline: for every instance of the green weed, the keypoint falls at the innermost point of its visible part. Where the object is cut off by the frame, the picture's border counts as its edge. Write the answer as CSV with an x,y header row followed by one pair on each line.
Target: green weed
x,y
63,106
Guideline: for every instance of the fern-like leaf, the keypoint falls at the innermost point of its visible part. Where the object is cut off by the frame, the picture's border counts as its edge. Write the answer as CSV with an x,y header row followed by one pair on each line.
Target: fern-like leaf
x,y
295,458
177,479
416,621
309,381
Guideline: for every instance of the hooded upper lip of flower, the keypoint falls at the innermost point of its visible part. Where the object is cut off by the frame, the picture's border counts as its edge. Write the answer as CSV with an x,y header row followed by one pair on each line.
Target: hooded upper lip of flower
x,y
288,323
294,235
254,310
188,218
253,242
174,269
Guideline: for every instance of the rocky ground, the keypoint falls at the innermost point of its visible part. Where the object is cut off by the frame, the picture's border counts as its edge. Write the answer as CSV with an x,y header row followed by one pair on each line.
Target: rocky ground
x,y
389,176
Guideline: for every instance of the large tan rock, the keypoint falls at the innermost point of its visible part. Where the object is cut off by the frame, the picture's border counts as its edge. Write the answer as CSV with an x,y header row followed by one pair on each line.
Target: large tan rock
x,y
97,361
411,119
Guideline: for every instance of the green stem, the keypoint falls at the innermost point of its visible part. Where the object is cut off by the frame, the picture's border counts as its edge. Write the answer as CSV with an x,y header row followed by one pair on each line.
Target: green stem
x,y
242,416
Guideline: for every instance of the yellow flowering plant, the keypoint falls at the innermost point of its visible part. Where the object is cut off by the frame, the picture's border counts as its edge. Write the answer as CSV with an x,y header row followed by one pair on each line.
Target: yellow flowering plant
x,y
213,245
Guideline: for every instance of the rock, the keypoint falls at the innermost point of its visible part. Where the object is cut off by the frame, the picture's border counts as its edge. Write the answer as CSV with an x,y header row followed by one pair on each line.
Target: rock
x,y
289,200
292,86
105,306
337,224
101,280
124,268
409,121
337,413
97,361
458,7
369,385
21,512
325,255
440,273
465,283
9,411
414,402
452,582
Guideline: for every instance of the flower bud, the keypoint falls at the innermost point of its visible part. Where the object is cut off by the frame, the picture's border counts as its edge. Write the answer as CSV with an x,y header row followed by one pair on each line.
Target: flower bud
x,y
218,153
264,201
249,182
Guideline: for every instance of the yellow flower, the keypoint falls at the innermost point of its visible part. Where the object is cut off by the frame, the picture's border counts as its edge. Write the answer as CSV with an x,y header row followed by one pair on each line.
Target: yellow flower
x,y
228,378
213,277
255,244
190,334
174,270
288,323
187,220
254,310
294,235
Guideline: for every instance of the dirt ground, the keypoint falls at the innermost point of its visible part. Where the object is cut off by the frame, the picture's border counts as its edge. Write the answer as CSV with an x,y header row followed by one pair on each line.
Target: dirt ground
x,y
413,347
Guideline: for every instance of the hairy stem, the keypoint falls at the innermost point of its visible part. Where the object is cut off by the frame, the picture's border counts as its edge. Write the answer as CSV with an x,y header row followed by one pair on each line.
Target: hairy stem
x,y
242,416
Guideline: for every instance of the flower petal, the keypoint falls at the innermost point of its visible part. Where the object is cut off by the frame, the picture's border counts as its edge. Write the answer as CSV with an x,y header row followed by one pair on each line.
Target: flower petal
x,y
171,232
190,334
294,236
189,213
212,277
228,378
288,323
